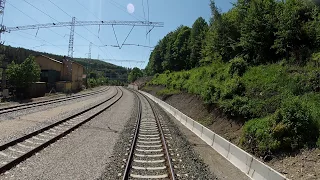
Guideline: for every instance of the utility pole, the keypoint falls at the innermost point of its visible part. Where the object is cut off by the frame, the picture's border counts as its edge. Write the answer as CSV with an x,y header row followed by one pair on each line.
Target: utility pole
x,y
4,63
2,27
71,39
89,54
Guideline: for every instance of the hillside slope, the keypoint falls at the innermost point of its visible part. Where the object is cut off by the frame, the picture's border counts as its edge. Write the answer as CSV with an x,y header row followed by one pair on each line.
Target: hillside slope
x,y
111,71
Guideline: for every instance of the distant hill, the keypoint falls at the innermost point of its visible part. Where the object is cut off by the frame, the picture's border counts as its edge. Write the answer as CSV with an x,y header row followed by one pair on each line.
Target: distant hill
x,y
109,70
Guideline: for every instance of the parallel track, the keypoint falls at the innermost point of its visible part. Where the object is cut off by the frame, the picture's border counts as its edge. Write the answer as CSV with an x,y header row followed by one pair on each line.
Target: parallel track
x,y
46,102
149,156
21,148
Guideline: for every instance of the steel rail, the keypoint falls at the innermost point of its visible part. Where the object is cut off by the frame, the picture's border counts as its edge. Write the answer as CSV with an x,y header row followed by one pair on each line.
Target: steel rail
x,y
134,142
169,162
26,155
46,102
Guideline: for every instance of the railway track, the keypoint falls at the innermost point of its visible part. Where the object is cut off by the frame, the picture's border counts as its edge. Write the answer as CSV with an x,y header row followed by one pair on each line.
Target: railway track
x,y
46,102
14,152
149,156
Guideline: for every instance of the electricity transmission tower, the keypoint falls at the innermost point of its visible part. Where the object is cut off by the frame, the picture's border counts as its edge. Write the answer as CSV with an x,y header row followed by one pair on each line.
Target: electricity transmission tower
x,y
89,54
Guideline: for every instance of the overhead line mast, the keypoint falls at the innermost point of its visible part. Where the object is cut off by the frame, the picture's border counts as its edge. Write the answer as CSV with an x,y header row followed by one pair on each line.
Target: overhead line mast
x,y
74,23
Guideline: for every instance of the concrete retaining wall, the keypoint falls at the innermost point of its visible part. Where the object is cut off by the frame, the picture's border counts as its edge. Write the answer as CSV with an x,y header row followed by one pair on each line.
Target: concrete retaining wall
x,y
245,162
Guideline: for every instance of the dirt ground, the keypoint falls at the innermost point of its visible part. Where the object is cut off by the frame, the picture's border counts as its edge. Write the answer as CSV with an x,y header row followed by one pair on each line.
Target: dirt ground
x,y
302,165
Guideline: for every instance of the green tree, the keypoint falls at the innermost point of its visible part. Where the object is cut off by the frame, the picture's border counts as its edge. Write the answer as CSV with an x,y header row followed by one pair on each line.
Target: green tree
x,y
22,75
222,39
197,36
257,31
135,74
294,38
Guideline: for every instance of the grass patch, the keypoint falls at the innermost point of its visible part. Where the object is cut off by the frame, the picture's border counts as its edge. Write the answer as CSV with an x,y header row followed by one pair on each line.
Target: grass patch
x,y
207,121
167,92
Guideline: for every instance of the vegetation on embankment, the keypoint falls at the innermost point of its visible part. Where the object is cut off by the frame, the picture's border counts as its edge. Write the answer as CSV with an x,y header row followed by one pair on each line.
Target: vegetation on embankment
x,y
258,61
279,102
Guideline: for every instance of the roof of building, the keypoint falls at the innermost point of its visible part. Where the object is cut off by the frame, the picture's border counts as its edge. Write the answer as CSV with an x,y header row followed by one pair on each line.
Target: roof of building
x,y
50,59
78,64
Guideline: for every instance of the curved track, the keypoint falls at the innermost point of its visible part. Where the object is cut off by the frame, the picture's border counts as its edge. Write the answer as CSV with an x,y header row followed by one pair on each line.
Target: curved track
x,y
50,101
149,156
19,149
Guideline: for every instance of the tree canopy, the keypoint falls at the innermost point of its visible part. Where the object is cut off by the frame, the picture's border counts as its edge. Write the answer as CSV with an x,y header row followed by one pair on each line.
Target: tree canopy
x,y
22,75
259,31
135,74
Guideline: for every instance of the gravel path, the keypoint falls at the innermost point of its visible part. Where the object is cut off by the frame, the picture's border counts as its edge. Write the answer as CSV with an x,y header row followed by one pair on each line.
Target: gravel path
x,y
48,97
18,126
14,114
187,164
83,153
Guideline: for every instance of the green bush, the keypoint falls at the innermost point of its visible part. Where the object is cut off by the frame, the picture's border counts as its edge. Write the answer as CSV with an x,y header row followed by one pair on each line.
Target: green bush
x,y
290,128
237,66
294,125
167,92
257,137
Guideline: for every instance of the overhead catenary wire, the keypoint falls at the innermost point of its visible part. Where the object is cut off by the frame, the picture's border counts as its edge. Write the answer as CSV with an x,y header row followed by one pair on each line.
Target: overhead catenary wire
x,y
30,17
124,9
99,26
114,32
127,37
54,19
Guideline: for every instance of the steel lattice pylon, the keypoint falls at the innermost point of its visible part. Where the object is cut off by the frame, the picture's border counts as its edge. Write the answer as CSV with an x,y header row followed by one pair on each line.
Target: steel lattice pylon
x,y
89,54
71,39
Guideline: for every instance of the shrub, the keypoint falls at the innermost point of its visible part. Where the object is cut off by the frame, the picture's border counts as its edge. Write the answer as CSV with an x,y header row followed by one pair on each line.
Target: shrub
x,y
257,137
232,87
237,66
167,92
208,93
290,128
294,125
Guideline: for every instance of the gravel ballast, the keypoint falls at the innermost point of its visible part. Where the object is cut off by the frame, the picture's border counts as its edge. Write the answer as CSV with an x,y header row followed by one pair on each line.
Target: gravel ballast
x,y
14,114
82,154
11,129
187,164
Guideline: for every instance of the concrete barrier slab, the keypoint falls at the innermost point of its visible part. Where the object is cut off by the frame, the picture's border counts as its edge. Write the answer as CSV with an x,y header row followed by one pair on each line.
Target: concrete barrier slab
x,y
244,161
260,171
221,145
197,128
189,123
207,136
184,120
240,158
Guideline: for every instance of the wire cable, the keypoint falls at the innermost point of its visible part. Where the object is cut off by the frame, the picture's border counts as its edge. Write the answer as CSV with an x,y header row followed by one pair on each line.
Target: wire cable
x,y
114,32
31,17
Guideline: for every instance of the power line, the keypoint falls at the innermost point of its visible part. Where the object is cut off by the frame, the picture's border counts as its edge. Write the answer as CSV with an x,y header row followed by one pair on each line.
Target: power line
x,y
122,8
30,17
54,19
87,9
99,27
114,32
44,40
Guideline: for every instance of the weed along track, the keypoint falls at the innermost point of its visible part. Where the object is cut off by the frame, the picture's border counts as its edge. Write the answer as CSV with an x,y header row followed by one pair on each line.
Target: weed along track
x,y
47,102
21,148
148,155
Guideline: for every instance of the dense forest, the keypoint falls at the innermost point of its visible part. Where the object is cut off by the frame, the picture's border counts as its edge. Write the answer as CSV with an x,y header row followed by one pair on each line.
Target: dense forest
x,y
116,74
259,62
259,31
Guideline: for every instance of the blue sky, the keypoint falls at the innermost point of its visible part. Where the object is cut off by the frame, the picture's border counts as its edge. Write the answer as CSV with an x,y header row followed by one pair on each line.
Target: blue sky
x,y
55,40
